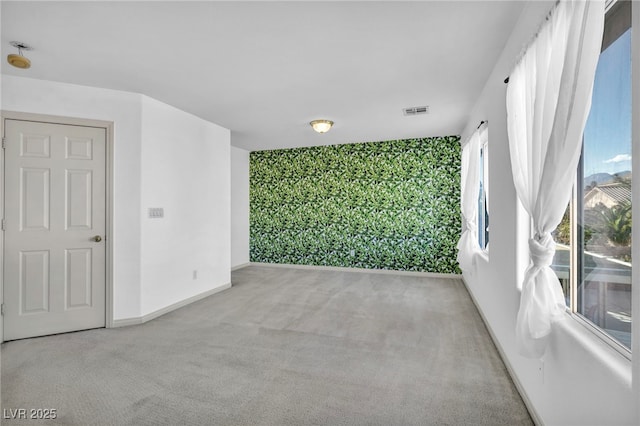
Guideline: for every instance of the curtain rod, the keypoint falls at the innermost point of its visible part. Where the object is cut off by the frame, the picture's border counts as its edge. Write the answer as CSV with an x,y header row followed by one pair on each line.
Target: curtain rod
x,y
546,18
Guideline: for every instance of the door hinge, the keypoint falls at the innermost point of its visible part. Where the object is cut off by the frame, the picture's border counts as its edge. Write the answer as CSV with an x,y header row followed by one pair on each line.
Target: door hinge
x,y
2,224
4,142
2,309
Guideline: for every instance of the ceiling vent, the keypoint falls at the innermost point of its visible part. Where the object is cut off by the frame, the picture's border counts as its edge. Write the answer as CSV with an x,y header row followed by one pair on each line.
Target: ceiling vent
x,y
416,110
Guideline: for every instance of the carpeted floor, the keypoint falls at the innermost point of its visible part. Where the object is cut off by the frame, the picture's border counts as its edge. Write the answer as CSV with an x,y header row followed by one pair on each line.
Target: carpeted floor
x,y
281,347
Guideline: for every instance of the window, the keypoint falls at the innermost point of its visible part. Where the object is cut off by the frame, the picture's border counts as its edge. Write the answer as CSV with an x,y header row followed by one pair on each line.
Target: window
x,y
483,192
593,255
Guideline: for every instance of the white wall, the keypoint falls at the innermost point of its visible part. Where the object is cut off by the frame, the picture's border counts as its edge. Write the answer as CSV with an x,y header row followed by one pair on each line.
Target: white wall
x,y
124,109
184,133
581,380
1,201
239,206
186,171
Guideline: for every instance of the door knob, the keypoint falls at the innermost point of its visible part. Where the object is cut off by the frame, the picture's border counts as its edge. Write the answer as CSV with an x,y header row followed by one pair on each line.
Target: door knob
x,y
97,238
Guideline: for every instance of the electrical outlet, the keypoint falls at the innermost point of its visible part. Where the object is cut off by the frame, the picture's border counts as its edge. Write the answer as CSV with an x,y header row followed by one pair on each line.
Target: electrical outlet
x,y
195,274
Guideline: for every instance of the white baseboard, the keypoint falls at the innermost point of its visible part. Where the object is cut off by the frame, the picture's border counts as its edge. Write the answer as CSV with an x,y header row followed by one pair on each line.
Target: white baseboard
x,y
523,394
240,266
126,322
361,270
155,314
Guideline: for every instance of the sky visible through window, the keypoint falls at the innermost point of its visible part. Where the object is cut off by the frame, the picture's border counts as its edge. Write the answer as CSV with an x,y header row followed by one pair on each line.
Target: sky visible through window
x,y
607,135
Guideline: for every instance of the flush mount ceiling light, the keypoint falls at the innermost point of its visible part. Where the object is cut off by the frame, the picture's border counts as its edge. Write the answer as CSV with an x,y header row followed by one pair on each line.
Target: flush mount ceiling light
x,y
18,60
321,126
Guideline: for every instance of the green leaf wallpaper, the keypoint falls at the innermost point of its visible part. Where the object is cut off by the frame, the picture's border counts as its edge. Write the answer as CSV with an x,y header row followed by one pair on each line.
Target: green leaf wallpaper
x,y
376,205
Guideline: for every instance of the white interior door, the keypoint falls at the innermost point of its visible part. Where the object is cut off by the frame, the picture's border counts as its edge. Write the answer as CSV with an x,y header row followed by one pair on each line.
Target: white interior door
x,y
54,237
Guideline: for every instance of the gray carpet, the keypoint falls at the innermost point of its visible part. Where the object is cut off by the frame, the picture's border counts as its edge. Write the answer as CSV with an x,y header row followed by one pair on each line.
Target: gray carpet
x,y
281,347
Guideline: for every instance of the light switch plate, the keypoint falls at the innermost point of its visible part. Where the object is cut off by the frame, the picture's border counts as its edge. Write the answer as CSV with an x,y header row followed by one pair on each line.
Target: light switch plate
x,y
156,212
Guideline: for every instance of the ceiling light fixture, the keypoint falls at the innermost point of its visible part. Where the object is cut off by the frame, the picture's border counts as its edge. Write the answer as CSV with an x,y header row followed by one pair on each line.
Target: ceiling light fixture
x,y
321,126
18,60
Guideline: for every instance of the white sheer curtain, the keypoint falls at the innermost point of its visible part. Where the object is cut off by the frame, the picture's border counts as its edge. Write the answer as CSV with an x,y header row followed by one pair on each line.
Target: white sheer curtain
x,y
470,185
548,101
483,132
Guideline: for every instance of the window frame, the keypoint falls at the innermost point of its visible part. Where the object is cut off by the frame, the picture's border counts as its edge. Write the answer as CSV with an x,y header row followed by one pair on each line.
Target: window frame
x,y
483,210
576,207
574,274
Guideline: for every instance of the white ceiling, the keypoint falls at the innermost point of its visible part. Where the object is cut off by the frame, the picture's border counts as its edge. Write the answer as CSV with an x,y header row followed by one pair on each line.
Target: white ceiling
x,y
265,69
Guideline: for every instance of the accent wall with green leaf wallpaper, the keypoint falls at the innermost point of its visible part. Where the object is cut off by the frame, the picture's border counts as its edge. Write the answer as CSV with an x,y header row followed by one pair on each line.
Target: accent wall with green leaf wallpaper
x,y
376,205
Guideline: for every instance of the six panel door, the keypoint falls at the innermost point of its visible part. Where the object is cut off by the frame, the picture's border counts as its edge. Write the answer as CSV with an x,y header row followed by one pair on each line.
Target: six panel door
x,y
54,253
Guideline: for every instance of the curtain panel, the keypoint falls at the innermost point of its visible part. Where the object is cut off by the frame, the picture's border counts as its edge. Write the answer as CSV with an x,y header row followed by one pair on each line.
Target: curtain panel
x,y
548,102
468,246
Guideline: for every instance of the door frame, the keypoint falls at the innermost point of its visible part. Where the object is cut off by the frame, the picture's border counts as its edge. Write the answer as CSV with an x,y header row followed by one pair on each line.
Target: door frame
x,y
70,121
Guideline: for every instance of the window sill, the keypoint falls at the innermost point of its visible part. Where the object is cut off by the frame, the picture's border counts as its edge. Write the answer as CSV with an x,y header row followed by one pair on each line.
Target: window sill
x,y
616,359
483,255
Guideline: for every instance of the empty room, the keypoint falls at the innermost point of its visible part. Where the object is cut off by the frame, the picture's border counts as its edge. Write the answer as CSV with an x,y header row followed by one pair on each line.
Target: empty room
x,y
319,212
